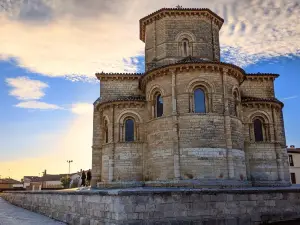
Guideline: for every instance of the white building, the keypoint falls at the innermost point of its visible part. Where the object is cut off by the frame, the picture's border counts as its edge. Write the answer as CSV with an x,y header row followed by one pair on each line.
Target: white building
x,y
294,161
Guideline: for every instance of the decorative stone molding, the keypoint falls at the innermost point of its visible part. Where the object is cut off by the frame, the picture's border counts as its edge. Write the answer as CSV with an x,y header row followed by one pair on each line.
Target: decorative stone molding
x,y
261,103
232,70
185,34
122,102
118,76
261,76
203,13
153,90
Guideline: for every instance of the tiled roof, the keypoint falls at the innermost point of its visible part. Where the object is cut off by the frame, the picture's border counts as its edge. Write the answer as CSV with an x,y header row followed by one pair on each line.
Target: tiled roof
x,y
293,150
9,181
113,74
98,99
125,98
47,177
255,99
179,11
183,9
191,59
262,74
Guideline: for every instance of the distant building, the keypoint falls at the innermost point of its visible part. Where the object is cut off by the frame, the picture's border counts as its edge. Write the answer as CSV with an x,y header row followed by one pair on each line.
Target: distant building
x,y
9,183
48,181
294,162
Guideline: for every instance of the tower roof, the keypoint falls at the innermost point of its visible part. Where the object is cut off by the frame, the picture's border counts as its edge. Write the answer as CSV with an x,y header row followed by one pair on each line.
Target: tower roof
x,y
200,12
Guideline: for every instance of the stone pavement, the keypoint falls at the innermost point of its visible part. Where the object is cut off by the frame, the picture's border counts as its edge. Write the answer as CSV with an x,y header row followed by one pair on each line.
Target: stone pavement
x,y
12,215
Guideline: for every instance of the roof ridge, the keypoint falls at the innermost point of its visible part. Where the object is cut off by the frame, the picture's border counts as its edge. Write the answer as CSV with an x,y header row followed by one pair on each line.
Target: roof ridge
x,y
262,74
112,73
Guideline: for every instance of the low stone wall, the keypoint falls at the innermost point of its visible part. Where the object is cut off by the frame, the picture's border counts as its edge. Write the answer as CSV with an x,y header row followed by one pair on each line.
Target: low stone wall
x,y
163,206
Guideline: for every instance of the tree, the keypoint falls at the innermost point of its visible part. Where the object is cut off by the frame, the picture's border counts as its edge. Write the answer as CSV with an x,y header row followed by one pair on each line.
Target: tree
x,y
65,181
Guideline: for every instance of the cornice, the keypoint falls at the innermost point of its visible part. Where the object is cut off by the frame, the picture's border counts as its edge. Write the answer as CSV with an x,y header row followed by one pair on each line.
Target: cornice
x,y
261,76
164,12
125,101
230,69
118,76
266,102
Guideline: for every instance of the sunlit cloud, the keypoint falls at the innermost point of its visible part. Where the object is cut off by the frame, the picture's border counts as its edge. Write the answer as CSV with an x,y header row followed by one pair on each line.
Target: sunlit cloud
x,y
255,30
76,39
29,91
23,88
82,108
70,142
37,105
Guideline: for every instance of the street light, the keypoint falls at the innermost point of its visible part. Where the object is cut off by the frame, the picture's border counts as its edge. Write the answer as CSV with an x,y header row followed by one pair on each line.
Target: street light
x,y
69,161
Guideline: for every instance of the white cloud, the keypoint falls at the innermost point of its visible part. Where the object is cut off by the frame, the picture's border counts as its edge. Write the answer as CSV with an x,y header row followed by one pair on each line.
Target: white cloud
x,y
58,38
290,97
82,108
24,88
28,90
37,105
256,30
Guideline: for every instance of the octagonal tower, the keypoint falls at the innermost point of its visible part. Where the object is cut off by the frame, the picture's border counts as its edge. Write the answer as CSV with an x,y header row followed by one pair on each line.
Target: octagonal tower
x,y
172,34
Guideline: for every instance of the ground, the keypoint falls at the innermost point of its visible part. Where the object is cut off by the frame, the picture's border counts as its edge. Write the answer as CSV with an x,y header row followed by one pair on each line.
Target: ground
x,y
12,215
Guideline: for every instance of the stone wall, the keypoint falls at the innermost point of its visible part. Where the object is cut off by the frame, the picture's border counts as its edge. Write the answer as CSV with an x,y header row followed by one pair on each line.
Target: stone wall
x,y
164,206
112,88
260,88
163,39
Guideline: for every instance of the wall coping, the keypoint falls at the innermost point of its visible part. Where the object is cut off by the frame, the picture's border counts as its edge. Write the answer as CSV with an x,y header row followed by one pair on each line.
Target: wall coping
x,y
165,191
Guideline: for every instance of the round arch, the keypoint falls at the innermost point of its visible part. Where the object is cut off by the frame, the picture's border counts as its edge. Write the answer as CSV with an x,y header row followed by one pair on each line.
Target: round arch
x,y
260,114
209,88
185,35
129,113
153,90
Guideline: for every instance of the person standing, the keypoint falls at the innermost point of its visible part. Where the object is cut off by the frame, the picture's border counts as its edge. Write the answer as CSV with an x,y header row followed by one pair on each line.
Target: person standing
x,y
89,177
83,177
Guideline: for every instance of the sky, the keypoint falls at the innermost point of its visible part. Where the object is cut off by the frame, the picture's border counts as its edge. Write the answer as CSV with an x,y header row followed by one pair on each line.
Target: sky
x,y
50,51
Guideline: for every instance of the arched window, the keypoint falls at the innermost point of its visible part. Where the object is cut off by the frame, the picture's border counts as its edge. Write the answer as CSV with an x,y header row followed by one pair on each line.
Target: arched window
x,y
199,101
159,106
105,131
129,130
258,130
185,47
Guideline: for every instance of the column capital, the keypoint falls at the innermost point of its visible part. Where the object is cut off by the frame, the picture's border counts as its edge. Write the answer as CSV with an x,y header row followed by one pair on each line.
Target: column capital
x,y
173,71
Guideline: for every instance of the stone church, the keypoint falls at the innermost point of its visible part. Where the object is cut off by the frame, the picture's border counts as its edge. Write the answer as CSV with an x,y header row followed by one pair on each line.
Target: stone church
x,y
189,120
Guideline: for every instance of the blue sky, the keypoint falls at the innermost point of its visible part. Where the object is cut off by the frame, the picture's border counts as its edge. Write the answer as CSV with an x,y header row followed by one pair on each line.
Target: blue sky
x,y
50,51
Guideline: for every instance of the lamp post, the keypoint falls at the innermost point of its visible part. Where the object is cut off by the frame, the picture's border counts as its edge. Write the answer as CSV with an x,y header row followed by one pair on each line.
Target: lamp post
x,y
69,161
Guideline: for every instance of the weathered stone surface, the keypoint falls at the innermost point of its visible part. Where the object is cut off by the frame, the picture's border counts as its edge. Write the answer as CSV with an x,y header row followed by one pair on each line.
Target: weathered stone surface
x,y
165,206
217,145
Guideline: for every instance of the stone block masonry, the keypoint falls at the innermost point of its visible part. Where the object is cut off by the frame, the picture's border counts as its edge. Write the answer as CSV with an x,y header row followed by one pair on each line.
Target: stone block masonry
x,y
249,206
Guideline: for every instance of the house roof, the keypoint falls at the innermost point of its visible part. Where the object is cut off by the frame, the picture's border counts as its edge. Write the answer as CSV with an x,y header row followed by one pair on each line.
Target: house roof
x,y
47,177
263,74
105,76
255,99
292,149
9,181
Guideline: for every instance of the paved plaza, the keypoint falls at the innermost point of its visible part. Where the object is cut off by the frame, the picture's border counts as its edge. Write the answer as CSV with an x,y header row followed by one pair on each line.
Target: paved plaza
x,y
12,215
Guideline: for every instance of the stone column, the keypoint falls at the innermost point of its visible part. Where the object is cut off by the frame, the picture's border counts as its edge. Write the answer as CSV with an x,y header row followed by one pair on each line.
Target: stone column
x,y
96,148
227,128
176,151
277,146
111,162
